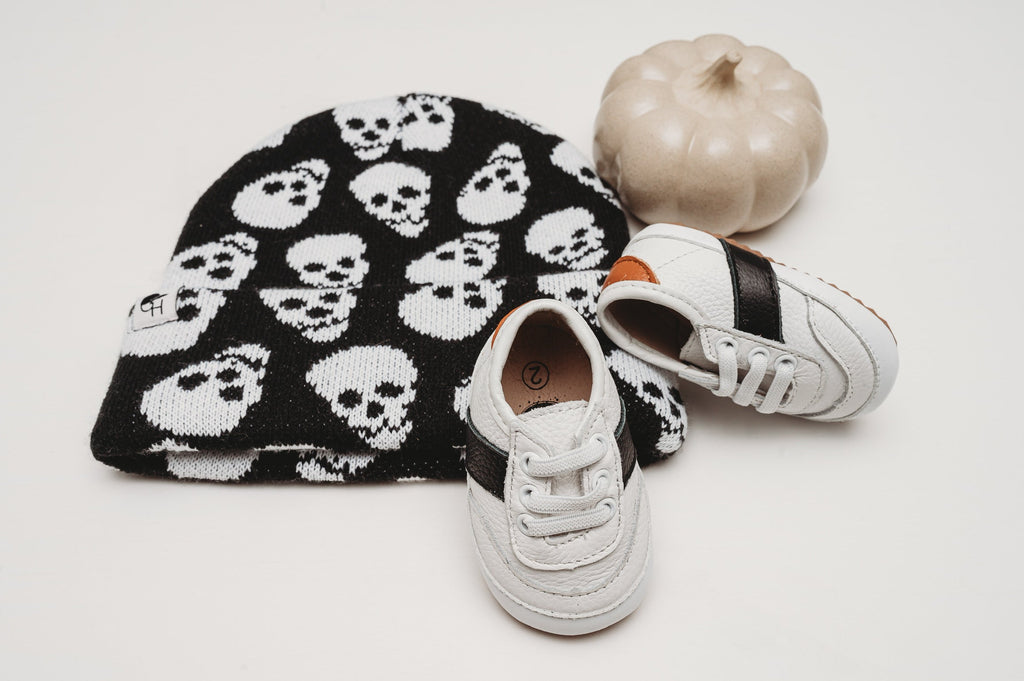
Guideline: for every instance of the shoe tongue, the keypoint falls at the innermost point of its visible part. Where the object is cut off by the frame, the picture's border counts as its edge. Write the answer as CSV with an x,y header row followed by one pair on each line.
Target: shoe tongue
x,y
555,423
692,352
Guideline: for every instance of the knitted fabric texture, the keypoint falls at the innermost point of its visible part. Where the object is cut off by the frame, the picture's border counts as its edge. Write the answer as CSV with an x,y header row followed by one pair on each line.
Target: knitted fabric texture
x,y
328,296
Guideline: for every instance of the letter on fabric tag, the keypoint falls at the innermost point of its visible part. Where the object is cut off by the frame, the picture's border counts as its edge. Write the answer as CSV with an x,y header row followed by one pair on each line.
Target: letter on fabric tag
x,y
154,309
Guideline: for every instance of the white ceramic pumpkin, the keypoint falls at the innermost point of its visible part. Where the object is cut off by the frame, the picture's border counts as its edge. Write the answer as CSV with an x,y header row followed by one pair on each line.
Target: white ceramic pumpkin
x,y
710,133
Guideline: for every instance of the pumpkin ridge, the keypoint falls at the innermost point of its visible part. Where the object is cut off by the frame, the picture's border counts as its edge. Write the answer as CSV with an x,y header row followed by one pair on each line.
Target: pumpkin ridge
x,y
717,88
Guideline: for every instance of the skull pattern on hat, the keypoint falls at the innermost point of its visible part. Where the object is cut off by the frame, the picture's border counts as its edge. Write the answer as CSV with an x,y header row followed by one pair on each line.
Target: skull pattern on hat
x,y
335,285
283,198
220,264
209,397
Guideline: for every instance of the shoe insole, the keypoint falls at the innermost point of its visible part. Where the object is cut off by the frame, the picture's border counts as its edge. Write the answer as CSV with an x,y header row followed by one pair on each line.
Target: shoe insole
x,y
545,366
659,328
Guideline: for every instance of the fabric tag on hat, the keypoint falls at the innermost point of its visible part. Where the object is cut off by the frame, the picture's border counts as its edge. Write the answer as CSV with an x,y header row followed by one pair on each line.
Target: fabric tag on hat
x,y
154,310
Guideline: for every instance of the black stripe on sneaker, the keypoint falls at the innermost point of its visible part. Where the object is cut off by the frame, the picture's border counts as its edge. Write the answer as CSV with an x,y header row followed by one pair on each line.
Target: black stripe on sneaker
x,y
755,292
487,464
627,450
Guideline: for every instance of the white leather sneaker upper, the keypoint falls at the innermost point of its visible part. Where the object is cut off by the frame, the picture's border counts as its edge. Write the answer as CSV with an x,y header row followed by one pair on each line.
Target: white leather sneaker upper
x,y
787,342
556,501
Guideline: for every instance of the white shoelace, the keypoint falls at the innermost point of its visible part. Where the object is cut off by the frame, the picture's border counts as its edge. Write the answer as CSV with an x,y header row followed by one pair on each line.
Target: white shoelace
x,y
561,513
743,394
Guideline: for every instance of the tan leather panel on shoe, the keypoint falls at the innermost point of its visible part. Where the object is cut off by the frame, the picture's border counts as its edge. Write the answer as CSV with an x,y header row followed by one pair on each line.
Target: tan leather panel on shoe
x,y
494,334
630,268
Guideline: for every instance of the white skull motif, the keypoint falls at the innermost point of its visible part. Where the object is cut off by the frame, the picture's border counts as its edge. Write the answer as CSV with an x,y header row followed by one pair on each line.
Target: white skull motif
x,y
284,198
329,467
451,311
211,397
396,194
219,466
329,260
568,238
571,160
578,290
427,122
466,259
221,264
321,315
371,388
369,127
195,308
654,388
496,192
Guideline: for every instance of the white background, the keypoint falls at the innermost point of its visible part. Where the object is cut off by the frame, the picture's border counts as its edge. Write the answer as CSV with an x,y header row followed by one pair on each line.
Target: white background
x,y
886,548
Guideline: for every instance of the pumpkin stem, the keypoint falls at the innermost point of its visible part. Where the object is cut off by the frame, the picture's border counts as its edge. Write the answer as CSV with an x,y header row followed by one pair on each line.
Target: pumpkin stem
x,y
722,73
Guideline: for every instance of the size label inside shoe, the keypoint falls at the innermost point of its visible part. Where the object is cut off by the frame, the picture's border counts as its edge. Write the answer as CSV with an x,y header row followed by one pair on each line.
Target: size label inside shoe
x,y
536,375
154,309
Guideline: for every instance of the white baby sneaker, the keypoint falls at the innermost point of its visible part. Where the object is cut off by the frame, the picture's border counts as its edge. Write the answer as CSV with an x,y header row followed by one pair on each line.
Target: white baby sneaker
x,y
745,327
556,501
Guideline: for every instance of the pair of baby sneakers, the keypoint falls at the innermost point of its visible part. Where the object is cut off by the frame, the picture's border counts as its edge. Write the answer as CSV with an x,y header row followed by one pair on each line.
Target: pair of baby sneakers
x,y
557,503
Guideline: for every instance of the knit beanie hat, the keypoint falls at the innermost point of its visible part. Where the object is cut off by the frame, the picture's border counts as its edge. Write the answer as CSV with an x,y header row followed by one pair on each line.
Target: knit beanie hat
x,y
328,296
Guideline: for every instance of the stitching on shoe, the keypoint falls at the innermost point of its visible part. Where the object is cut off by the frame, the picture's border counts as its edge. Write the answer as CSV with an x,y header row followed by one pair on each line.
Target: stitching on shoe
x,y
608,547
611,580
812,319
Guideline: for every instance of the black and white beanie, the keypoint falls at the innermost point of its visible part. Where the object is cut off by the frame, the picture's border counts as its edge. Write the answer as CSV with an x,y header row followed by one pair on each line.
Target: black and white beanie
x,y
330,292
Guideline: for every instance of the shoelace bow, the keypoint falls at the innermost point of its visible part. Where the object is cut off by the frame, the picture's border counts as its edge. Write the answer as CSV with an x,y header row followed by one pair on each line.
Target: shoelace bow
x,y
743,395
564,513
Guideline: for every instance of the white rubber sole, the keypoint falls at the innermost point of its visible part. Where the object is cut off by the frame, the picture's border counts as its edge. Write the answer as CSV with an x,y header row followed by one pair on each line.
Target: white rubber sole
x,y
571,625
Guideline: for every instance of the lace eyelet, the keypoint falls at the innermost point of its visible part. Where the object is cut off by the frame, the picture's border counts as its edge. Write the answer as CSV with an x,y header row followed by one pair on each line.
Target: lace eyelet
x,y
521,520
610,504
757,352
724,341
524,494
524,461
785,360
603,476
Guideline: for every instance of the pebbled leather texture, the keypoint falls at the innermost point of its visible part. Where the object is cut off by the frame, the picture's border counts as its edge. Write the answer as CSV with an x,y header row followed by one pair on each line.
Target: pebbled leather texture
x,y
566,576
485,462
587,589
691,265
846,356
756,292
571,551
